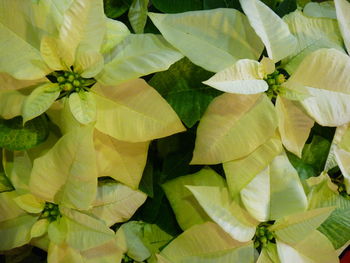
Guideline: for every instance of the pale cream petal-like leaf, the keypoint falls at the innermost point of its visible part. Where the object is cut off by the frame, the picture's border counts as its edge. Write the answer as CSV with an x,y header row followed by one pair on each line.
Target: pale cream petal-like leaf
x,y
109,252
275,192
83,107
39,228
8,207
225,212
123,161
294,228
329,89
323,9
188,211
30,203
73,184
124,112
342,11
63,253
82,29
312,33
315,248
18,58
84,231
273,31
242,77
293,124
241,171
40,100
116,32
194,246
232,127
50,54
138,55
269,254
343,159
7,82
116,203
16,231
11,102
223,34
88,64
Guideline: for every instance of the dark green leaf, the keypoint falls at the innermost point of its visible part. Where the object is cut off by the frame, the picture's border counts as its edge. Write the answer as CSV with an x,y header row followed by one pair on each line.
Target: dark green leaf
x,y
115,8
211,4
177,6
315,153
337,227
313,159
182,87
15,136
5,184
146,184
286,7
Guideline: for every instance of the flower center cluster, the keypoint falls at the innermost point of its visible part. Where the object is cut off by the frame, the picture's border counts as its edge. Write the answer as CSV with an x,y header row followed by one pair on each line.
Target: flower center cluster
x,y
263,235
274,80
51,212
70,81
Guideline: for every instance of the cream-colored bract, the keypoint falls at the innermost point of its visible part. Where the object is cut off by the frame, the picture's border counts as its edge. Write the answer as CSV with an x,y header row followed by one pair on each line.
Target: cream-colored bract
x,y
223,34
233,126
343,15
273,31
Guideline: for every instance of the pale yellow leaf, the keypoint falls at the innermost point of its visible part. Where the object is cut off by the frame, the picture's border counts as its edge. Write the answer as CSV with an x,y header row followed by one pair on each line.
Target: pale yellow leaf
x,y
232,127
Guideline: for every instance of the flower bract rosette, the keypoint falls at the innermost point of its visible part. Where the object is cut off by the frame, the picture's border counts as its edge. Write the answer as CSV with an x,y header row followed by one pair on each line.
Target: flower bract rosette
x,y
87,48
289,39
282,236
69,235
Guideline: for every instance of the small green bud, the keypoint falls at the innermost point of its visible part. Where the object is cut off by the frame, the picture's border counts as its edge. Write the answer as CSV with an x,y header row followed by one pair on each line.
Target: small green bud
x,y
280,79
50,205
71,78
76,83
46,214
263,240
53,213
256,243
66,74
270,236
61,79
67,87
275,87
271,81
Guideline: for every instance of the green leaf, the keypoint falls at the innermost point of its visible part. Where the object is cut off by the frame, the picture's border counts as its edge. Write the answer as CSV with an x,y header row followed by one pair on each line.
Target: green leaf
x,y
286,7
15,136
138,15
115,8
83,107
5,184
177,6
313,159
211,4
40,100
183,89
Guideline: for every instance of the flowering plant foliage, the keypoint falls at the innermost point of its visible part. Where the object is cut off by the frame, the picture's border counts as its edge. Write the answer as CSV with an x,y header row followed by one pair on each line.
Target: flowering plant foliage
x,y
174,131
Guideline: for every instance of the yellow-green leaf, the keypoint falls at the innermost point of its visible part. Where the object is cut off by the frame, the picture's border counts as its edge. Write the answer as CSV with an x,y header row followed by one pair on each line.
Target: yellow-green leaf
x,y
232,127
123,161
124,112
342,11
83,107
69,170
40,100
138,55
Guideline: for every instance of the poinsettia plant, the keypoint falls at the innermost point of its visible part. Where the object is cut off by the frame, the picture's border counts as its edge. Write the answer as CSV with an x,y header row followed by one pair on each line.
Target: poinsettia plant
x,y
174,131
